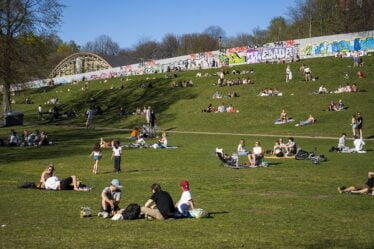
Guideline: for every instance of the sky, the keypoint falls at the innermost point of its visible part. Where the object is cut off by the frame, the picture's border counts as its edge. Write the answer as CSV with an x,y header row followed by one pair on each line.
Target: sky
x,y
127,21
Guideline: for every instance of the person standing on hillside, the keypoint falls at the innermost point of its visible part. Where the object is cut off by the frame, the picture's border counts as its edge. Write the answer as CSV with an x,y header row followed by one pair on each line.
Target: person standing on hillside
x,y
90,114
117,152
360,121
40,112
288,74
148,115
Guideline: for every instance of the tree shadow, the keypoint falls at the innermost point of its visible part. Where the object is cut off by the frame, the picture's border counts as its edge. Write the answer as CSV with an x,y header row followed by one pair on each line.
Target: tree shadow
x,y
69,139
160,97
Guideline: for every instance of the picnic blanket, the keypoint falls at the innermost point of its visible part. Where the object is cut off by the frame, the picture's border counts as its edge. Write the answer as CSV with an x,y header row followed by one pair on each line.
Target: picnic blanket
x,y
278,121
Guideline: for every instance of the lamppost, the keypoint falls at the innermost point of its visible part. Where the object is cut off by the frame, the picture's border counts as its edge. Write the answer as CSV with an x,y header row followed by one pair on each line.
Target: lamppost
x,y
219,43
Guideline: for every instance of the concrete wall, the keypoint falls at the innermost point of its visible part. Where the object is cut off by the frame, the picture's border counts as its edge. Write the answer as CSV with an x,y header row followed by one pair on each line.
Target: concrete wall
x,y
285,50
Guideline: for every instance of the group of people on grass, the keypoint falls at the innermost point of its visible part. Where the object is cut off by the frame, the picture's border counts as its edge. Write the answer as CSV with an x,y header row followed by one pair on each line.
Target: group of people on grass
x,y
221,108
335,107
268,92
160,204
218,95
183,83
35,138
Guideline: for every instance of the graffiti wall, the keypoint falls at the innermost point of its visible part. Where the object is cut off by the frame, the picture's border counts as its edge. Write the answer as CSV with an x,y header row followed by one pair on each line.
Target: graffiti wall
x,y
332,47
284,50
271,54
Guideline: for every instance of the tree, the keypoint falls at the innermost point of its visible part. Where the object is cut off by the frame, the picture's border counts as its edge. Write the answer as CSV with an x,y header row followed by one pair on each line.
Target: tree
x,y
169,45
277,30
259,36
20,19
215,31
102,45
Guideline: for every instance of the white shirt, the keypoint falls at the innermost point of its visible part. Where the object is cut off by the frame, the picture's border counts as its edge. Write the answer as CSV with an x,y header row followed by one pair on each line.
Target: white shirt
x,y
241,148
52,183
185,198
341,143
40,109
359,144
118,151
257,150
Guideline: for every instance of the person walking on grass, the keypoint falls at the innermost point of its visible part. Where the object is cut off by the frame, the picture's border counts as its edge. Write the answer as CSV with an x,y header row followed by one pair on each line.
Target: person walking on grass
x,y
96,153
117,152
90,114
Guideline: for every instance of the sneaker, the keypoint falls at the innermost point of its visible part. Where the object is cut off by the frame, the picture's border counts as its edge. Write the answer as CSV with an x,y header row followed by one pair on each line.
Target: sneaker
x,y
105,215
100,214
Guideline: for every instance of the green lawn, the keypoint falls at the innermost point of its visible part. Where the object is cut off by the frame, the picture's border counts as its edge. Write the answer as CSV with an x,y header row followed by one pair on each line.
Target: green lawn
x,y
293,204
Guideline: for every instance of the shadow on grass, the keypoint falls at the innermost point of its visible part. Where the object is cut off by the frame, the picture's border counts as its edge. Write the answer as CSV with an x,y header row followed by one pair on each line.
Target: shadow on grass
x,y
160,97
329,243
65,144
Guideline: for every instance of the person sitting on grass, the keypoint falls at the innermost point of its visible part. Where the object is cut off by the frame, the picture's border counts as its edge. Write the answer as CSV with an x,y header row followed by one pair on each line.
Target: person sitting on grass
x,y
14,139
231,109
283,116
185,203
210,108
332,106
110,199
47,173
277,149
217,95
310,120
341,144
221,108
44,140
291,146
359,144
341,105
322,90
241,148
257,154
160,205
366,189
52,182
134,134
162,143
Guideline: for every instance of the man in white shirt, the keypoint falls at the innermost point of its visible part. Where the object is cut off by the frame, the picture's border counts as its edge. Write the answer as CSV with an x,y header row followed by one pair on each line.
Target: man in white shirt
x,y
359,145
70,183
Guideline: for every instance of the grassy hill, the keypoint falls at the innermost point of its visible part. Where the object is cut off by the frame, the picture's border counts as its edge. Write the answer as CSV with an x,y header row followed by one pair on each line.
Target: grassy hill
x,y
292,204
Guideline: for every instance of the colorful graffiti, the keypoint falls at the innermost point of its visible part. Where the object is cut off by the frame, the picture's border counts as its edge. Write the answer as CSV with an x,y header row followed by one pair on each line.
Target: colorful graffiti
x,y
270,54
331,47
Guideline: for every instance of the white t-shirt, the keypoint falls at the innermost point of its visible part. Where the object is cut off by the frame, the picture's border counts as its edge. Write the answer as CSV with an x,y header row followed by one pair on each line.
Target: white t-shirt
x,y
118,151
341,143
52,183
359,144
186,196
241,148
257,150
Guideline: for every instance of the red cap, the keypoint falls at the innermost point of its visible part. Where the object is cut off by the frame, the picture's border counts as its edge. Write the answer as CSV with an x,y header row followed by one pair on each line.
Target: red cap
x,y
185,185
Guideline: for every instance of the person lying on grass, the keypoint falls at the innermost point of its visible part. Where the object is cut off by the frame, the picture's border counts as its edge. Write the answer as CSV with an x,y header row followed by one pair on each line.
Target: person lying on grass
x,y
310,120
51,182
363,189
110,199
160,205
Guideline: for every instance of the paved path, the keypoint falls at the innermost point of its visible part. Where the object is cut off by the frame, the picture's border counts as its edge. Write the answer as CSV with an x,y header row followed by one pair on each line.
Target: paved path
x,y
225,133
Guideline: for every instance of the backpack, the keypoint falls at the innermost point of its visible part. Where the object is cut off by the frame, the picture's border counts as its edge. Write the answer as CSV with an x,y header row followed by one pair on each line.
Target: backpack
x,y
131,212
28,185
302,155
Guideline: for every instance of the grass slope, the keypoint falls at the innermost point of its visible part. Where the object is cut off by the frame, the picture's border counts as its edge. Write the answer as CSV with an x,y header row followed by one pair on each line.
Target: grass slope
x,y
292,204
